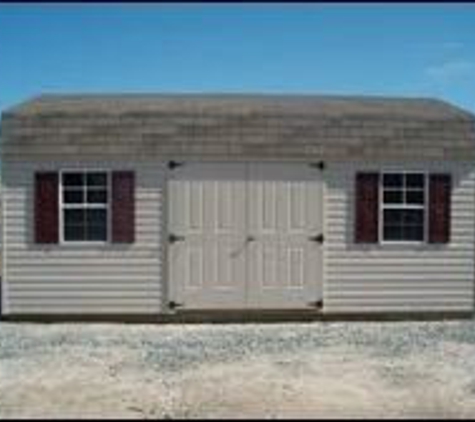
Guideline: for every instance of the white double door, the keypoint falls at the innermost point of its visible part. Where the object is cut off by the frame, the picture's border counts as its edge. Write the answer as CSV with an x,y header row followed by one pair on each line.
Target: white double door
x,y
240,236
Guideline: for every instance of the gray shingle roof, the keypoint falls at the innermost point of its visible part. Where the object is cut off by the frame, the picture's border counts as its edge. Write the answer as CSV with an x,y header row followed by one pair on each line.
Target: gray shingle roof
x,y
238,126
318,105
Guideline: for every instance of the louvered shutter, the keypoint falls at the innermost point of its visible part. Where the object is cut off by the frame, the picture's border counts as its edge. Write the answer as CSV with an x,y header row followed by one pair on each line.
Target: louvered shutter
x,y
366,207
440,186
46,207
123,207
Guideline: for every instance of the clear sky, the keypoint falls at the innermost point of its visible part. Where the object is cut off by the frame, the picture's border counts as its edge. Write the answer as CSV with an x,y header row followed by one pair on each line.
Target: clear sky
x,y
398,49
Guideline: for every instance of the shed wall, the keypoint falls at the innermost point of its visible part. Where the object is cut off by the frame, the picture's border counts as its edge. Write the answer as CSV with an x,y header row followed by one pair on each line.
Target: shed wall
x,y
398,277
128,279
94,279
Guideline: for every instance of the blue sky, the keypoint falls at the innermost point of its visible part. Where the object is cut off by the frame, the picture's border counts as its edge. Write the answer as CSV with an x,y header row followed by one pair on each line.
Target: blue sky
x,y
399,49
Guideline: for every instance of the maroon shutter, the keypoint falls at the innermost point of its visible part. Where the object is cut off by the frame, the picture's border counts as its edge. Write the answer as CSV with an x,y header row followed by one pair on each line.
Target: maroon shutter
x,y
46,207
366,207
439,208
123,206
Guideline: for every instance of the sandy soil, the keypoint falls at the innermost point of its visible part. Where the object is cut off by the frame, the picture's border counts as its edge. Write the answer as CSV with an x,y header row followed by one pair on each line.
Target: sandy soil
x,y
312,370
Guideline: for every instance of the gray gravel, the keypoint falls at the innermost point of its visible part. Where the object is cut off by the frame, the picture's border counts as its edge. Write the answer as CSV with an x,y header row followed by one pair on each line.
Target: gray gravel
x,y
320,369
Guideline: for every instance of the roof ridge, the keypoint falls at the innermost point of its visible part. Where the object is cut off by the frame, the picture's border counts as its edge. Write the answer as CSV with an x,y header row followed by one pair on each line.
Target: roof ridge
x,y
231,94
331,104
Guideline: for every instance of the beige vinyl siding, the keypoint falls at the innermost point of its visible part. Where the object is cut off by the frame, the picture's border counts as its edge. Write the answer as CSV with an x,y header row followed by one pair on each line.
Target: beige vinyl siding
x,y
67,278
391,277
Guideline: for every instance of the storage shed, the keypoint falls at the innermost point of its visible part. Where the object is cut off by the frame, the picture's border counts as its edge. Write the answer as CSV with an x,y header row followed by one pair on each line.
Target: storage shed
x,y
156,205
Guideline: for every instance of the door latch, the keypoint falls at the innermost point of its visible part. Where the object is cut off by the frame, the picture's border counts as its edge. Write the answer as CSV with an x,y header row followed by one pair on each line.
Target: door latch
x,y
172,238
319,238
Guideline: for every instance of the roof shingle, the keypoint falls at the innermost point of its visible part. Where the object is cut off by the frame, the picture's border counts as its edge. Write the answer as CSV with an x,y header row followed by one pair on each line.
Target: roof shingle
x,y
238,126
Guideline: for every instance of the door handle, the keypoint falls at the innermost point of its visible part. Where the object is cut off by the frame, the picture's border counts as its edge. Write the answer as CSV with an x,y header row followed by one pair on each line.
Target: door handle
x,y
250,239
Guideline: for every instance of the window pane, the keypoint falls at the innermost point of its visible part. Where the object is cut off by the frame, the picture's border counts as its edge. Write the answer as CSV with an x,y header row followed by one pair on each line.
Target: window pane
x,y
403,225
415,180
74,217
96,217
96,225
414,232
73,179
73,232
393,197
415,197
412,217
97,179
392,180
392,232
73,196
393,217
74,225
97,232
97,196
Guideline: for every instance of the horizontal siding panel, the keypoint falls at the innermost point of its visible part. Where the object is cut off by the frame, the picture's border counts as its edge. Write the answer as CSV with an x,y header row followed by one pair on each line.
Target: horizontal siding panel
x,y
86,270
427,270
92,287
410,275
363,290
17,244
376,252
89,301
57,254
106,295
374,283
401,302
83,310
386,308
75,277
396,294
78,262
336,260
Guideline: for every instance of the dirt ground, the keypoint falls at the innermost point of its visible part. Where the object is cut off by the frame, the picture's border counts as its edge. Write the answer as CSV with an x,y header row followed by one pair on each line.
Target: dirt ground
x,y
307,370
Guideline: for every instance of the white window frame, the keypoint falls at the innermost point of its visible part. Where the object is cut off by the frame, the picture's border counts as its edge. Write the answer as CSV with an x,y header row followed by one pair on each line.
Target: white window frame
x,y
383,206
63,206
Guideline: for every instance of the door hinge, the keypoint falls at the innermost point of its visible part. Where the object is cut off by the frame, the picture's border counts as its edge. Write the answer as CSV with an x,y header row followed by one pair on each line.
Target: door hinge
x,y
319,165
174,305
174,164
316,303
319,238
172,238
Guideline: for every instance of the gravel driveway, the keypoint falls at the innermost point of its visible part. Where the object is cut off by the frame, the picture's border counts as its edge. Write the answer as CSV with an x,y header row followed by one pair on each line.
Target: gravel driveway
x,y
308,370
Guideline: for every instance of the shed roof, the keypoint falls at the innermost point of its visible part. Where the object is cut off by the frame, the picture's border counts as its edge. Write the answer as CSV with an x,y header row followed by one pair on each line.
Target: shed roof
x,y
238,126
318,105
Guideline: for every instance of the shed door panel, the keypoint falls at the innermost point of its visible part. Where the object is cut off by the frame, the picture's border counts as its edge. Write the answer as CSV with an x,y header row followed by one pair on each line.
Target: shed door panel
x,y
284,211
207,268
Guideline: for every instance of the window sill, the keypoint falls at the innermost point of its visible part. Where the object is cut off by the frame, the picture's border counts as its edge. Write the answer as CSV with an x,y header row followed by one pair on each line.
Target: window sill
x,y
403,243
400,246
85,244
